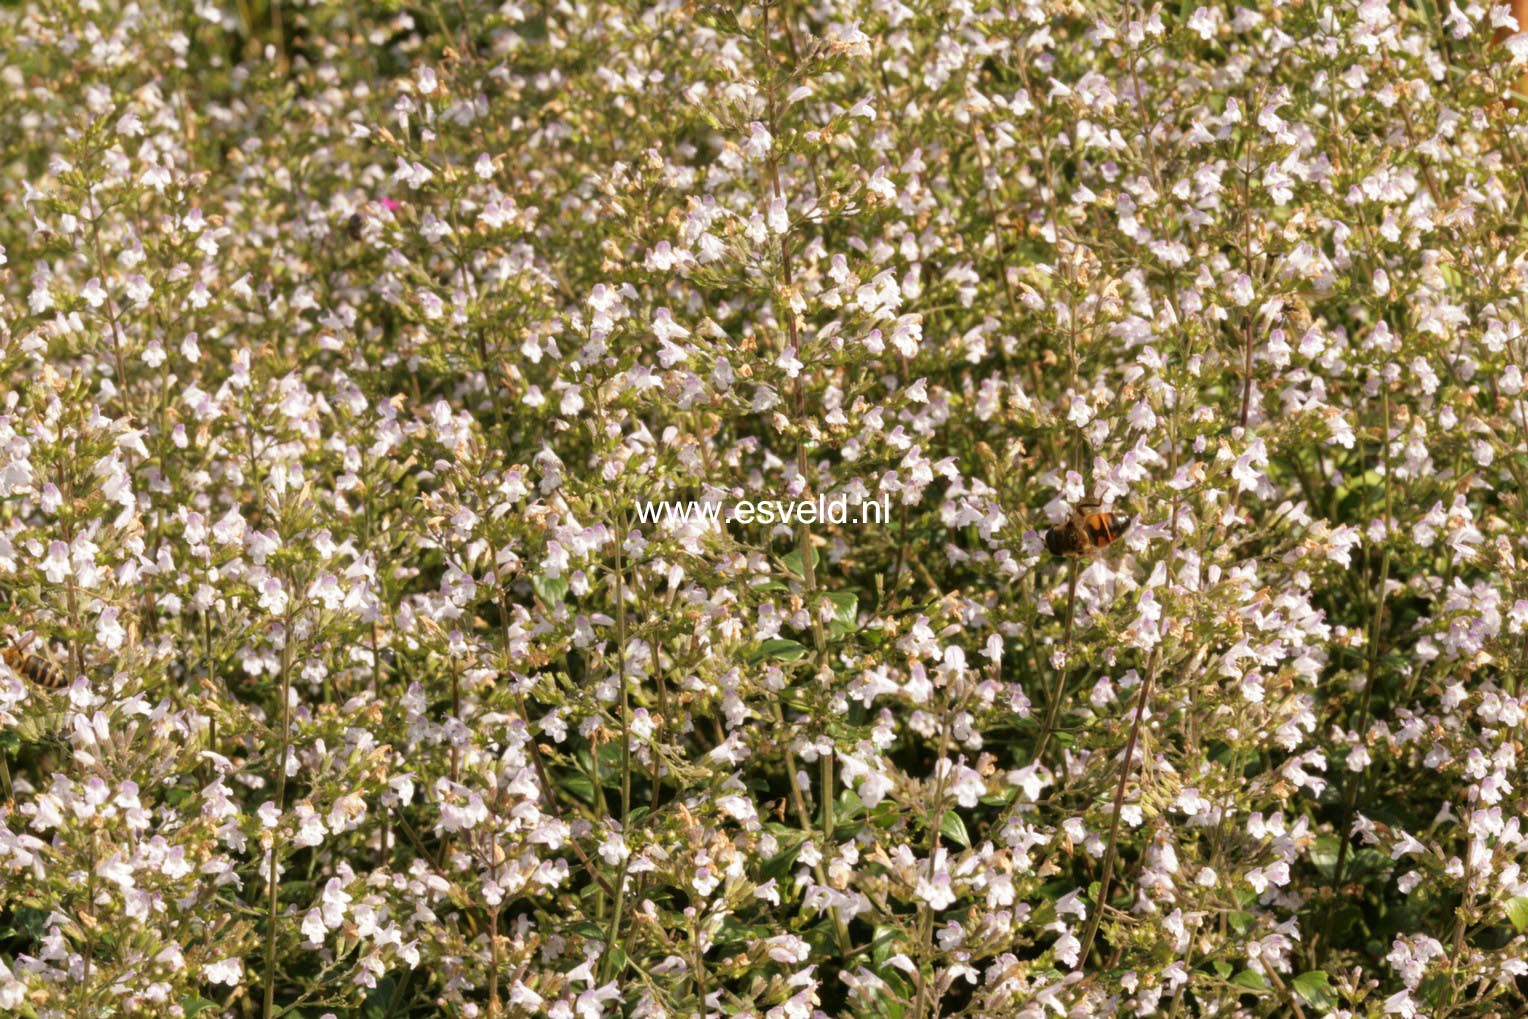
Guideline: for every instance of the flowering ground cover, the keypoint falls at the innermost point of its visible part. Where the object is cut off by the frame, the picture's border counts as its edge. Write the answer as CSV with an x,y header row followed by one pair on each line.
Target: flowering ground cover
x,y
346,351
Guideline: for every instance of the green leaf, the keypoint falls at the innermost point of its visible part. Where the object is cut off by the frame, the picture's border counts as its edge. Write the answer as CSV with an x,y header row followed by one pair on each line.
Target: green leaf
x,y
780,864
1517,912
195,1006
1324,854
1314,988
1222,968
1360,486
551,590
610,763
617,960
849,806
378,998
1250,980
1432,989
579,785
845,612
792,562
881,946
1240,922
733,932
779,649
588,929
953,828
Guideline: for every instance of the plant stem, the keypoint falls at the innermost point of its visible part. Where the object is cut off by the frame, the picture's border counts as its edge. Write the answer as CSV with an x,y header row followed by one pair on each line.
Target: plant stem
x,y
1107,871
1350,785
804,816
273,901
494,1008
700,965
803,533
1111,851
1053,709
625,706
925,914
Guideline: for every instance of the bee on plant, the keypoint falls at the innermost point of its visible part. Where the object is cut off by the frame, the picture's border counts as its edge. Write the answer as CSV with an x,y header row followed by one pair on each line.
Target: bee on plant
x,y
1090,529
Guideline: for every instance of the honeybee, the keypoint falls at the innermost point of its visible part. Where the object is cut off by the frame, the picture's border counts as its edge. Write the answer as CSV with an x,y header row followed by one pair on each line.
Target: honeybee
x,y
32,665
1086,531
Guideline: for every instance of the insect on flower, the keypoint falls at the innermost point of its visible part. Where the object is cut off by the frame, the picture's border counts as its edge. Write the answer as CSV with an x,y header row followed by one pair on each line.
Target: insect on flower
x,y
28,662
1085,532
355,225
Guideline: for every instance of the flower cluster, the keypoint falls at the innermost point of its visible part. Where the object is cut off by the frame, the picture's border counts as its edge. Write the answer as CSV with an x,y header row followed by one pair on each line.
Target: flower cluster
x,y
340,344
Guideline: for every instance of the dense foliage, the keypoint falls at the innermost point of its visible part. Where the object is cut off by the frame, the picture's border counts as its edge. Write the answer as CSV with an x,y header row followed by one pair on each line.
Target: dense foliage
x,y
341,345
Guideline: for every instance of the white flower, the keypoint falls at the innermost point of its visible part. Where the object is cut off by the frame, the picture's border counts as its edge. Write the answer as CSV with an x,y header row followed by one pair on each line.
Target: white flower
x,y
225,971
313,926
93,293
1204,21
614,849
778,218
1246,470
109,632
1511,380
12,991
759,141
57,566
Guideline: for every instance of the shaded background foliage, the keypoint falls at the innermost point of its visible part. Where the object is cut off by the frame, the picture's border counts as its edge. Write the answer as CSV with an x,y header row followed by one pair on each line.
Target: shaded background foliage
x,y
341,342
